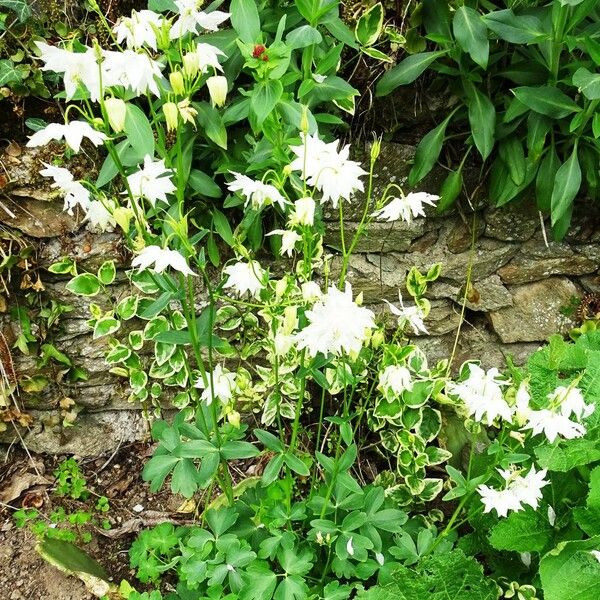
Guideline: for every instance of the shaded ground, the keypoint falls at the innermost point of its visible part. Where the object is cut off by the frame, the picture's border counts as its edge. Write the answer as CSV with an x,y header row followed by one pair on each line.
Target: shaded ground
x,y
24,575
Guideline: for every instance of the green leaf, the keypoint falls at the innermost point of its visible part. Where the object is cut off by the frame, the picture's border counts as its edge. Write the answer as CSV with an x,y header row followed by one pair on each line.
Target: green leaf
x,y
234,450
471,34
107,272
544,183
67,557
184,478
568,455
369,25
85,284
19,7
265,97
272,470
296,465
567,183
8,72
268,440
588,83
571,571
105,326
515,29
139,131
245,20
406,71
527,531
482,118
450,190
157,468
427,152
203,184
546,100
222,227
127,307
303,36
260,584
211,121
513,156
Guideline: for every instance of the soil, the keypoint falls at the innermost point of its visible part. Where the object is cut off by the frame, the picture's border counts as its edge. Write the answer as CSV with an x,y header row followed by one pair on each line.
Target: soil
x,y
24,575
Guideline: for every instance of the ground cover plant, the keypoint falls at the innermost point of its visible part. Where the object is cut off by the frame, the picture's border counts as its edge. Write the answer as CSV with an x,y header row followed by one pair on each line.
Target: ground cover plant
x,y
485,483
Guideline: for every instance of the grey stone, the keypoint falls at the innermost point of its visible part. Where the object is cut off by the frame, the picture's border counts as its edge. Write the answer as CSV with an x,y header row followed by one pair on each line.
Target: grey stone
x,y
485,295
460,236
590,283
516,222
523,269
535,314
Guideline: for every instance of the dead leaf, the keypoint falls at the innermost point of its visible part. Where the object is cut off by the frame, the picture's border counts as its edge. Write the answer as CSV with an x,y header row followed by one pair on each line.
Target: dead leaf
x,y
19,483
14,150
33,500
189,506
66,403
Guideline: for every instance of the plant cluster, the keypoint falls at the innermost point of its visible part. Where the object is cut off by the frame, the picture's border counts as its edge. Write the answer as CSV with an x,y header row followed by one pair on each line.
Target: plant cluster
x,y
351,433
526,86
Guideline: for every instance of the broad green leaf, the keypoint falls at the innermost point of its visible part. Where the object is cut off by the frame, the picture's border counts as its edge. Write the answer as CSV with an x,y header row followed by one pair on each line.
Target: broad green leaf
x,y
105,326
568,455
571,571
157,468
8,72
546,100
201,183
369,25
245,20
406,71
544,183
212,122
471,34
107,272
296,465
428,151
222,227
20,7
482,118
538,127
303,36
588,83
139,131
109,169
567,183
450,190
85,284
515,29
526,531
511,152
265,97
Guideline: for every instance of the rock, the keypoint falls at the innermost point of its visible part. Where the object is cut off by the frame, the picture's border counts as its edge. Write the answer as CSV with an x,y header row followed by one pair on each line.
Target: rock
x,y
460,237
590,283
485,295
376,276
535,314
92,434
37,218
523,269
516,222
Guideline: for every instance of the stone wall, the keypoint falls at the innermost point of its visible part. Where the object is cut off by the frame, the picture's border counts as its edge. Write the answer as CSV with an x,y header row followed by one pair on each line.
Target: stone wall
x,y
519,284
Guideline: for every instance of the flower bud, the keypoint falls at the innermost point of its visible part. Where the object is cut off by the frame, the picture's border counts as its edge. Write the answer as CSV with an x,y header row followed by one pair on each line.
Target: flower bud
x,y
191,64
217,88
234,418
280,287
123,216
375,149
116,110
171,115
176,80
304,125
377,338
311,292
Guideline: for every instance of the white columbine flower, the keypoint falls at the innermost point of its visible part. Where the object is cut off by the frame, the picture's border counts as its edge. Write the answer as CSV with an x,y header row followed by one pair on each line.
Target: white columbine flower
x,y
190,18
413,315
553,424
595,554
481,393
161,258
571,401
395,379
336,324
72,132
77,68
133,70
201,58
256,193
98,217
223,386
326,169
311,292
152,181
139,29
518,490
245,277
406,207
75,193
304,212
288,240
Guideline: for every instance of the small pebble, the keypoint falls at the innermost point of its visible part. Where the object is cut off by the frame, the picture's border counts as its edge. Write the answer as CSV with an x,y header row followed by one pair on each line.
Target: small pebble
x,y
138,508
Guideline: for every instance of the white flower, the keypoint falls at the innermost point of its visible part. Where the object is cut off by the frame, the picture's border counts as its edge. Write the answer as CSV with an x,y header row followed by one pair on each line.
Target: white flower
x,y
223,386
411,314
217,89
75,193
311,292
77,68
379,558
481,393
336,324
98,217
396,379
282,343
595,554
522,398
304,212
73,132
256,193
406,208
139,29
518,490
326,169
553,424
190,18
201,58
288,240
551,516
571,401
152,181
525,558
116,109
245,277
350,547
133,70
161,258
